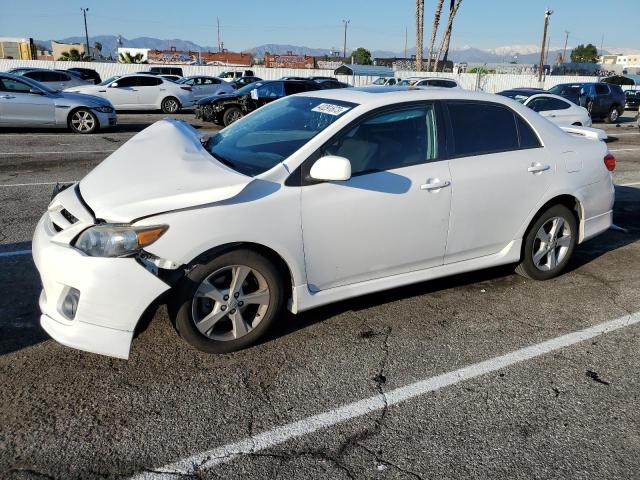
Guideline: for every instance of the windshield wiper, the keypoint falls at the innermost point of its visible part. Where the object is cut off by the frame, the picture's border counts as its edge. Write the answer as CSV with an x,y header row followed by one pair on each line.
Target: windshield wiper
x,y
223,160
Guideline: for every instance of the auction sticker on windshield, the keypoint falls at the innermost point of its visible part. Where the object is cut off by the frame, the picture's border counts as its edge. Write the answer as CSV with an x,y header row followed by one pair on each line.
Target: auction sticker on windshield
x,y
330,108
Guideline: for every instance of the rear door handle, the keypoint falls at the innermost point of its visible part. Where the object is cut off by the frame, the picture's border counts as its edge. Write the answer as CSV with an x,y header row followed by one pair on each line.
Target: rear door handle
x,y
435,184
7,96
538,168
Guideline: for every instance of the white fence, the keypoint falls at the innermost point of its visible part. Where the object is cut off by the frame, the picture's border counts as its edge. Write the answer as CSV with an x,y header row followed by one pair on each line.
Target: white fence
x,y
489,83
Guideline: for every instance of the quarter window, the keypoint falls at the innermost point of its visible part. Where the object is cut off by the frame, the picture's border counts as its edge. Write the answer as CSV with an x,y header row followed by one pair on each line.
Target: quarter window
x,y
528,138
481,128
389,140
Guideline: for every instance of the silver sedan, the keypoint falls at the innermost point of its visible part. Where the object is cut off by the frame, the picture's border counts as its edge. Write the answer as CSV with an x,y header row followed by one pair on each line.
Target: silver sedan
x,y
27,103
204,86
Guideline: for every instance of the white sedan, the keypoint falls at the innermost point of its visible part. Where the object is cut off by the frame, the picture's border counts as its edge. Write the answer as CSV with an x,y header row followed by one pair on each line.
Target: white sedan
x,y
312,199
204,86
141,92
559,110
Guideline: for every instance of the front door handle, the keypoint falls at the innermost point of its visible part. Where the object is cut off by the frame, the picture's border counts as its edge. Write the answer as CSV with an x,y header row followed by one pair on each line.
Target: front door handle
x,y
435,184
537,168
7,96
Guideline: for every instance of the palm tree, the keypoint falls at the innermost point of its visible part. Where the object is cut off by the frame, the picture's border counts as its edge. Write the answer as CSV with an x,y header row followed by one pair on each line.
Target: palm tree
x,y
73,55
434,31
446,48
126,57
447,35
419,33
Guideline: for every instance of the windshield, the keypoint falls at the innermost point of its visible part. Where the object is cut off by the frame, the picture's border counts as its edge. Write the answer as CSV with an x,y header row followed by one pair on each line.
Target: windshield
x,y
109,80
248,88
272,133
379,81
566,89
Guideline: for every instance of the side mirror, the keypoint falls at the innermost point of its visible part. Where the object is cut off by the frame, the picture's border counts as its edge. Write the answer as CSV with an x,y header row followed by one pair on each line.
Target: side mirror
x,y
331,168
114,85
35,91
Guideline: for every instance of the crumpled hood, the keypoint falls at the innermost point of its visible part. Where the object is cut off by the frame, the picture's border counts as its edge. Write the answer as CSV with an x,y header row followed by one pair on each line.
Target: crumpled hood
x,y
163,168
213,98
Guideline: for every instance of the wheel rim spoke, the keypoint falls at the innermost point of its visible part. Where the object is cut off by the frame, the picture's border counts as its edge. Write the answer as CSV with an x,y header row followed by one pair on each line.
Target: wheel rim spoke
x,y
208,290
239,275
538,256
553,259
208,322
260,297
240,328
564,241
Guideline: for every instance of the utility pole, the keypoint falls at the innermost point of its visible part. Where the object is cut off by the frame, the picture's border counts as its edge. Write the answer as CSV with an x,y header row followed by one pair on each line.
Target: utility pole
x,y
218,22
601,43
405,42
546,55
344,48
564,51
86,33
547,14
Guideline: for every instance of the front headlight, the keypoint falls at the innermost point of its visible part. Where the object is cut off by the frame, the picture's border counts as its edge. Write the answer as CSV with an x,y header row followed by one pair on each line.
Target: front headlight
x,y
104,109
117,240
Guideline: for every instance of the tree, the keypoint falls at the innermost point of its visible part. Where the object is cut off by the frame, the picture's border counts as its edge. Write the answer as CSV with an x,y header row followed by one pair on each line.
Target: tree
x,y
585,54
447,34
361,56
434,31
419,33
126,57
74,55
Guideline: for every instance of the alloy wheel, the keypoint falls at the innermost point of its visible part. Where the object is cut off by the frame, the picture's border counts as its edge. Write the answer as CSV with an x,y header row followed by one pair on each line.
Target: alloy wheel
x,y
171,105
551,244
230,302
83,121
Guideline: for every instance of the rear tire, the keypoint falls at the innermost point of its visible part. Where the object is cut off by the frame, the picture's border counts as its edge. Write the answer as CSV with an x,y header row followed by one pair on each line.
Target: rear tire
x,y
83,121
549,244
612,116
232,114
214,316
170,105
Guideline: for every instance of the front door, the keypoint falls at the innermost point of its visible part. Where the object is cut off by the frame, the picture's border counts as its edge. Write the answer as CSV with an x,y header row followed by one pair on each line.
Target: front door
x,y
18,106
123,93
392,216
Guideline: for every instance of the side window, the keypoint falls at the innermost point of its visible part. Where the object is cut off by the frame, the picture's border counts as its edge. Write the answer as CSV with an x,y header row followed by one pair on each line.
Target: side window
x,y
528,138
61,77
295,87
127,82
271,90
37,76
389,140
541,104
557,104
10,85
149,81
601,89
392,81
192,81
482,128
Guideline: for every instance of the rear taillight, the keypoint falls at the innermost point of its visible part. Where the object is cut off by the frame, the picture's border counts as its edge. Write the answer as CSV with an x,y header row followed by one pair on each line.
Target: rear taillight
x,y
610,162
188,89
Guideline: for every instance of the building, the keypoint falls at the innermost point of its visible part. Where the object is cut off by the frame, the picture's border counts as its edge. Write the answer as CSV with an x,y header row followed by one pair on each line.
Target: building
x,y
58,48
289,60
18,48
629,63
189,57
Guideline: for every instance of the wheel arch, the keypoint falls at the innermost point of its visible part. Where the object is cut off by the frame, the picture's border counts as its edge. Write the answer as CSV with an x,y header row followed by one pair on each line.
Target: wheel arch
x,y
572,202
268,252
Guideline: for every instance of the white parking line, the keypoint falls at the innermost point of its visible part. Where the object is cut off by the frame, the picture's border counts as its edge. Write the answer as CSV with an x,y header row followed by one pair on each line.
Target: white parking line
x,y
70,135
5,185
15,253
306,426
51,153
625,150
614,134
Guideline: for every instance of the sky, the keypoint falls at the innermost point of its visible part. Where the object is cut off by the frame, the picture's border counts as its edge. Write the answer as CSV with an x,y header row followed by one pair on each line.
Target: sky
x,y
375,24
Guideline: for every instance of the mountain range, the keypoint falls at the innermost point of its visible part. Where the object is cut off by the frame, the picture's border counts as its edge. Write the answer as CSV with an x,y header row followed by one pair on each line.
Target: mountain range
x,y
525,53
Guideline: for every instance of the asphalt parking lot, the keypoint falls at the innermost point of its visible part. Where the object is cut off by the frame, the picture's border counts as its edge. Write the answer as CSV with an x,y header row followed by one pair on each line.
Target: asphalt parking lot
x,y
366,388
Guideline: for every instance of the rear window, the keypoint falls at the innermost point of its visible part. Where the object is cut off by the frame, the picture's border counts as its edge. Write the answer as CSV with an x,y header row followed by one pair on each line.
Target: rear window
x,y
480,128
601,89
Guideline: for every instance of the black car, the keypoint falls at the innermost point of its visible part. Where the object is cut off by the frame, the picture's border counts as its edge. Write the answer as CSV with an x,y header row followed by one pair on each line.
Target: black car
x,y
165,71
226,109
244,81
86,74
632,100
602,100
328,83
520,94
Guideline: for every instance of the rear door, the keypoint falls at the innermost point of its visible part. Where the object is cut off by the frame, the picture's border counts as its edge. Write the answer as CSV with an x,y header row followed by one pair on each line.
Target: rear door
x,y
19,107
150,91
499,173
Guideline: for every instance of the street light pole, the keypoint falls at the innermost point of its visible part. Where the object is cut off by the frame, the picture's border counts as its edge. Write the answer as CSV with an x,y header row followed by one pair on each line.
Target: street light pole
x,y
564,51
344,48
86,33
547,14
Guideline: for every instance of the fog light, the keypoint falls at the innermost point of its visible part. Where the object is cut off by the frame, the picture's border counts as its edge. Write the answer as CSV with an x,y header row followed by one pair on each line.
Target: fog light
x,y
69,305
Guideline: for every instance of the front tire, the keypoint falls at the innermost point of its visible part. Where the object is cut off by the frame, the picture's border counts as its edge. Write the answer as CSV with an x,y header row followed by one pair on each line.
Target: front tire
x,y
170,105
232,114
83,121
228,302
549,244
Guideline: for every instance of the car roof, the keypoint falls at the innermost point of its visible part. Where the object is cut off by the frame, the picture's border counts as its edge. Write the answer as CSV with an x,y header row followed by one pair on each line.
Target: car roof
x,y
376,96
